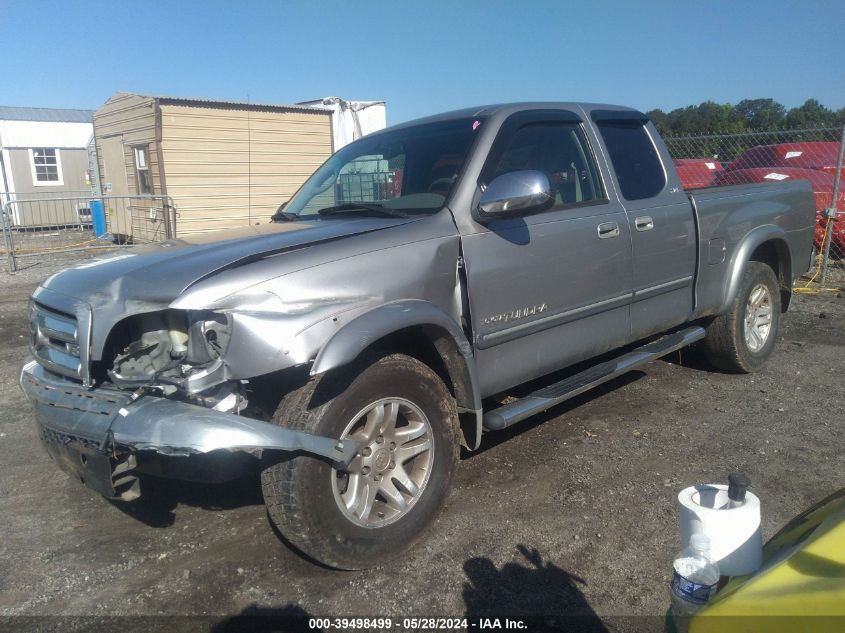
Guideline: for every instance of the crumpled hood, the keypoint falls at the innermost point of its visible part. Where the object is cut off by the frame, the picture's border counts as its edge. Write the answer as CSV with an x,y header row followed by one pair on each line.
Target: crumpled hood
x,y
156,274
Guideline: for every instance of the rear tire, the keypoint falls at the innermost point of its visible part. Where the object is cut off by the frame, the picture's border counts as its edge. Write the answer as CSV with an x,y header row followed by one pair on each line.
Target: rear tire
x,y
406,422
743,339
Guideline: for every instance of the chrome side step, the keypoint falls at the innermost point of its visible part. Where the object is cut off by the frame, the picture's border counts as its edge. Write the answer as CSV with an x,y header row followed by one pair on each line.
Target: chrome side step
x,y
572,386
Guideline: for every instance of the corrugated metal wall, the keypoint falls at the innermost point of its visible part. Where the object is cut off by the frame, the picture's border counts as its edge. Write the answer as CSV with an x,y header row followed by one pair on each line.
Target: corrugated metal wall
x,y
226,166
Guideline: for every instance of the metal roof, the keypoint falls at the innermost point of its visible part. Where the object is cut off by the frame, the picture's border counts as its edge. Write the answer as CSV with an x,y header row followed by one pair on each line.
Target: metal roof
x,y
200,101
56,115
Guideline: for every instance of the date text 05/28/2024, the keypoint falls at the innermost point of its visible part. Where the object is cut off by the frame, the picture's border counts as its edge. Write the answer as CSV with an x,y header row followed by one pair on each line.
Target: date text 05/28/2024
x,y
416,624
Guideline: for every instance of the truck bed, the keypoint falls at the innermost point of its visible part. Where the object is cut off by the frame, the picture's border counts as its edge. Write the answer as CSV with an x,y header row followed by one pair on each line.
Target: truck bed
x,y
725,215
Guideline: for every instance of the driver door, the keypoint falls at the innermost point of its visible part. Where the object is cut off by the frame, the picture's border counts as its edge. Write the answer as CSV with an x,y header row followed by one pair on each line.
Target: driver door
x,y
551,288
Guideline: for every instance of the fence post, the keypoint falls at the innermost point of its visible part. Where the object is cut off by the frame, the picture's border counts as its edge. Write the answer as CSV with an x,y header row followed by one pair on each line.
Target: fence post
x,y
169,213
831,213
7,237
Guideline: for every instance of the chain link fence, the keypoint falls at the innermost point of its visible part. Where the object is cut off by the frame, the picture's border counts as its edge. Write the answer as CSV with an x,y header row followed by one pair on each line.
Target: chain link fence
x,y
38,226
814,154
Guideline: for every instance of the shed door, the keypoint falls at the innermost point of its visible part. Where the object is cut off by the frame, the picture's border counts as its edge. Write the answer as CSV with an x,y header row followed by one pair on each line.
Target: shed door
x,y
115,186
115,182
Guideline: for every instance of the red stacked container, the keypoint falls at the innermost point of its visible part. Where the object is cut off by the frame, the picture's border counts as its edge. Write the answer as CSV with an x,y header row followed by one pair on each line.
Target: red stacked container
x,y
821,182
696,173
819,155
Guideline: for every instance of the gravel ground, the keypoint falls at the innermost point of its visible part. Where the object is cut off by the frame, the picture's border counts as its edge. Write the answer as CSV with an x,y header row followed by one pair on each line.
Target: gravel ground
x,y
571,512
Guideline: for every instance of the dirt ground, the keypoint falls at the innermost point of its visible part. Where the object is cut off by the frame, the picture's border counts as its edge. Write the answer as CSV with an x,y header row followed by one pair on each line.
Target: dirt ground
x,y
571,512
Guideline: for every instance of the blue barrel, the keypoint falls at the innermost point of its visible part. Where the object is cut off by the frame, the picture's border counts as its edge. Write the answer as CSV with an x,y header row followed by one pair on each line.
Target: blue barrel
x,y
98,218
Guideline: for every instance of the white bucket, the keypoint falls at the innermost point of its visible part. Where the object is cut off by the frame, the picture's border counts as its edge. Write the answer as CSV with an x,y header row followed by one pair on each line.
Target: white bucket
x,y
736,542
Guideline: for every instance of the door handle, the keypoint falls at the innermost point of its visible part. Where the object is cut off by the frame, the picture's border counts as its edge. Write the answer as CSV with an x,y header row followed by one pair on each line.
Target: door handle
x,y
644,223
608,229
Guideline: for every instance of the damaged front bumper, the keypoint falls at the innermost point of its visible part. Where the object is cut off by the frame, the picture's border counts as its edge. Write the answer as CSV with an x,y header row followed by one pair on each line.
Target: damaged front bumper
x,y
96,434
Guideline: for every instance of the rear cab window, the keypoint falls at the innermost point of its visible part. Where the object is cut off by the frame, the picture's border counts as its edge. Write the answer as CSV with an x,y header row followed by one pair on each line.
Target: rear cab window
x,y
639,170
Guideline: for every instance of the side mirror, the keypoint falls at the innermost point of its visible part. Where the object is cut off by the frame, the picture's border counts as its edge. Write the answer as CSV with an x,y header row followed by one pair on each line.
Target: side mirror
x,y
527,190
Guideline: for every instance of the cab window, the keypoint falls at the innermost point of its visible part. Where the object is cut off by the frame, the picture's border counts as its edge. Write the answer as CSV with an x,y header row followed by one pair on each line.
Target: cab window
x,y
557,149
635,160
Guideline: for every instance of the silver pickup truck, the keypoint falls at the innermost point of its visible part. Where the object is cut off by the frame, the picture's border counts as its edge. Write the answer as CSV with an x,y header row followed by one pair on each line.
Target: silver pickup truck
x,y
382,320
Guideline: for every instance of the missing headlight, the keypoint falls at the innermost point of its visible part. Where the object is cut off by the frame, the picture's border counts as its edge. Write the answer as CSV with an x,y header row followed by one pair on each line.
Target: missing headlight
x,y
172,347
208,337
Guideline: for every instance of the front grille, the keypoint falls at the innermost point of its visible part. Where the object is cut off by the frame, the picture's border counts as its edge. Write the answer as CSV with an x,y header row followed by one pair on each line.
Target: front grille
x,y
54,340
51,436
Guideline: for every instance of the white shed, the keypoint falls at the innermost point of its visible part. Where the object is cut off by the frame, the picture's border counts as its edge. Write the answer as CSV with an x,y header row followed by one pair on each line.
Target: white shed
x,y
43,153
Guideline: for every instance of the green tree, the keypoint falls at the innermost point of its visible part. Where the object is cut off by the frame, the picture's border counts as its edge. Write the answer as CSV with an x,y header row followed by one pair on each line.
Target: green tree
x,y
706,118
685,120
810,114
660,120
711,118
719,117
761,114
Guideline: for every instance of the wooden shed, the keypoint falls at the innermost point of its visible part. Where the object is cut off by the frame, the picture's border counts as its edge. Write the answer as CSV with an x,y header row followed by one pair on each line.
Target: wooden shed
x,y
225,164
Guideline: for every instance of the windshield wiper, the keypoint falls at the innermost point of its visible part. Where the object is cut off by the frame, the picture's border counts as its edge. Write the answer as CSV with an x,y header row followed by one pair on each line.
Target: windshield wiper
x,y
367,208
284,216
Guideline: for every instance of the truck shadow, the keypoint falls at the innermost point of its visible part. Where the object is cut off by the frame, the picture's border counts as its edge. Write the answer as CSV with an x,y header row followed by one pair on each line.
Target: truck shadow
x,y
160,497
549,598
691,357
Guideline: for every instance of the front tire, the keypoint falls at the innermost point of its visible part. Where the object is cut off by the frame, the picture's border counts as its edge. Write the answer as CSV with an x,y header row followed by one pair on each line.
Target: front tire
x,y
743,339
405,421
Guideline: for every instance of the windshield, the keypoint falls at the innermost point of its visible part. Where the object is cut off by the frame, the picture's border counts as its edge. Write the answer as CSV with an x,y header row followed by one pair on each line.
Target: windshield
x,y
408,171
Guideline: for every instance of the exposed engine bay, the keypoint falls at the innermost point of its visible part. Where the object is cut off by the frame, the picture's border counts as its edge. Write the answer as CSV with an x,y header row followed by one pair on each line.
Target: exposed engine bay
x,y
175,353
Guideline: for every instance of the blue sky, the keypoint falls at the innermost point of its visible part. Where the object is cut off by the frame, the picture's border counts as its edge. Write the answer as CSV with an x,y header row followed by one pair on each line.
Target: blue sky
x,y
424,57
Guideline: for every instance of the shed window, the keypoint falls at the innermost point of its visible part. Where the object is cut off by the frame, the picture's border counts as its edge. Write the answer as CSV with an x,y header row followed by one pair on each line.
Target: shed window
x,y
142,170
46,166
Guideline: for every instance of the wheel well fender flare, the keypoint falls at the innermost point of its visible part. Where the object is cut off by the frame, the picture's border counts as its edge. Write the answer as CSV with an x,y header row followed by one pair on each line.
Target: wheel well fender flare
x,y
442,330
766,234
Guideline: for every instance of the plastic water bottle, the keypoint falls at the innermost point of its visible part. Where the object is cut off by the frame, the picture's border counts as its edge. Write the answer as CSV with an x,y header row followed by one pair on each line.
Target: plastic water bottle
x,y
694,580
